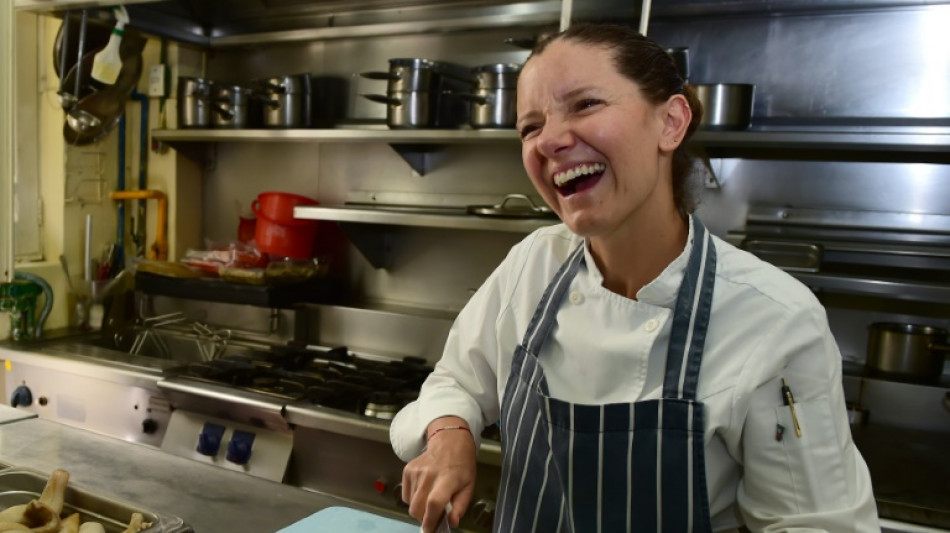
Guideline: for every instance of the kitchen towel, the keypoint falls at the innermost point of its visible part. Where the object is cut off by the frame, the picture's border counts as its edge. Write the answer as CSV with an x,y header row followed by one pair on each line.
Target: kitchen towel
x,y
347,520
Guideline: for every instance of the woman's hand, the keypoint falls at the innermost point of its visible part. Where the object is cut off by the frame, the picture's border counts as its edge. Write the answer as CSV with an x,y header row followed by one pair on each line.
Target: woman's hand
x,y
445,472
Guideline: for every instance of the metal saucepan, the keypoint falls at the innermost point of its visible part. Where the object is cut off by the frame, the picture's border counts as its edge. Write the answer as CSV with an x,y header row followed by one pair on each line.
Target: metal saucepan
x,y
907,351
493,104
726,106
513,206
406,74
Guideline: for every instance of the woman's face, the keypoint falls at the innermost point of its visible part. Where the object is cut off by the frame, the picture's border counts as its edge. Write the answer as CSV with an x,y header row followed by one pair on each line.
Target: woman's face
x,y
596,150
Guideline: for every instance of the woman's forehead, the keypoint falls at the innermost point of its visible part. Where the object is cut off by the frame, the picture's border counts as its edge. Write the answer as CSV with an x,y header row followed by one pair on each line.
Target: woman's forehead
x,y
564,66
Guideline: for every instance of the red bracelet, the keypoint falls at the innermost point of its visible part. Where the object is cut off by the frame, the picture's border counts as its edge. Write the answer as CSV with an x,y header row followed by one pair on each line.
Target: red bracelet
x,y
436,432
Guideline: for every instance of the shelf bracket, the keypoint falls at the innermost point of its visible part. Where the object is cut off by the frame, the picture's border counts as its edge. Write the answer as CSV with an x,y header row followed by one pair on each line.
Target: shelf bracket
x,y
374,242
712,170
418,156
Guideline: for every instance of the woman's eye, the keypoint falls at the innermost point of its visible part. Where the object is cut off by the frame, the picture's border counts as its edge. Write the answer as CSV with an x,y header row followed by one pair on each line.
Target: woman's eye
x,y
586,103
527,131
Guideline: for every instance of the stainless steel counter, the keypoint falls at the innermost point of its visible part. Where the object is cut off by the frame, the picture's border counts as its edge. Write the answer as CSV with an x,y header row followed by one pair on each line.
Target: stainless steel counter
x,y
209,499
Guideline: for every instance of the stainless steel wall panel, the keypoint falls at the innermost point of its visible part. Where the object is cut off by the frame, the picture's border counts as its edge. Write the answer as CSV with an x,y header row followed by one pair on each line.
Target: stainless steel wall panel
x,y
868,64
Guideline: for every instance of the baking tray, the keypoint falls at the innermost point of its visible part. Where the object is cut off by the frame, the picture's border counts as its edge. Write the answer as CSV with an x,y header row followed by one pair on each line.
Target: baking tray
x,y
21,485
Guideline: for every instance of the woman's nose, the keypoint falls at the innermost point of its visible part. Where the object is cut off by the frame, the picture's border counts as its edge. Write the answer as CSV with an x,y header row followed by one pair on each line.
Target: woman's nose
x,y
555,137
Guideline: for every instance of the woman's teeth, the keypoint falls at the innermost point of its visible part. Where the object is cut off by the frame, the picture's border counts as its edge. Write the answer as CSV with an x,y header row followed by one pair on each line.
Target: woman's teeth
x,y
583,170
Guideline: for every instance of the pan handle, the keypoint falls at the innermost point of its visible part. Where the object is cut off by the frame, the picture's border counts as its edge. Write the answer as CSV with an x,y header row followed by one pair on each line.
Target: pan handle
x,y
382,99
477,98
379,76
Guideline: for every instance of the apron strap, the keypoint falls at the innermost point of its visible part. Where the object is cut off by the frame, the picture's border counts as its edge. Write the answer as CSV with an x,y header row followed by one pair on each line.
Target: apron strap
x,y
546,311
691,317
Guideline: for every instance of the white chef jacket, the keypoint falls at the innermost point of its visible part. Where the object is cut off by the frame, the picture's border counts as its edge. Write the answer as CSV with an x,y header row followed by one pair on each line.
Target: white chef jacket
x,y
606,348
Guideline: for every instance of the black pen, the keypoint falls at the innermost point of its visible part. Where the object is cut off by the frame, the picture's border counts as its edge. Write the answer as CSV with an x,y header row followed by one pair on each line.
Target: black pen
x,y
790,402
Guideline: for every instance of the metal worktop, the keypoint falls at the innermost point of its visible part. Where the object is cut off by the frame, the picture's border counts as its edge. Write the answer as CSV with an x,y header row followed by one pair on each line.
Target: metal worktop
x,y
207,498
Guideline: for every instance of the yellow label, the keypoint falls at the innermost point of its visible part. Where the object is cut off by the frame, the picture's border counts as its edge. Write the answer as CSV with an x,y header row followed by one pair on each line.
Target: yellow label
x,y
8,365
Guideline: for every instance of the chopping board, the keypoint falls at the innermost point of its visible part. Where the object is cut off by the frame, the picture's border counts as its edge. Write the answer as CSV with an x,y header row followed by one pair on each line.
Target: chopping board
x,y
347,520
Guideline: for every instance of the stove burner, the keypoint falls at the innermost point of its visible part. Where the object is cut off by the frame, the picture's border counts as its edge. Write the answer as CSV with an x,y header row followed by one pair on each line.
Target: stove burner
x,y
334,378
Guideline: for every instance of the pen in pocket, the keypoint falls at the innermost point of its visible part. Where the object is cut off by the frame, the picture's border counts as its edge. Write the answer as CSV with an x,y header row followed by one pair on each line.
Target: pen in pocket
x,y
790,402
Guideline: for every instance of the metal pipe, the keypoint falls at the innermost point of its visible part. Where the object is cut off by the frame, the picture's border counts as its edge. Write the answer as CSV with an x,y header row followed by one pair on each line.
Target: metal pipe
x,y
159,249
143,163
120,232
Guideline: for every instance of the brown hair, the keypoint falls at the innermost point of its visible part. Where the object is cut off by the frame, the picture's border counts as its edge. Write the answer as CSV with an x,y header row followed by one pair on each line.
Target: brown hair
x,y
645,63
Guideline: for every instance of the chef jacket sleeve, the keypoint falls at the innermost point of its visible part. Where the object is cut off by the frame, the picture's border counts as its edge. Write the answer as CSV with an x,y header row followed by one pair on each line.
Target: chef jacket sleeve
x,y
817,481
465,381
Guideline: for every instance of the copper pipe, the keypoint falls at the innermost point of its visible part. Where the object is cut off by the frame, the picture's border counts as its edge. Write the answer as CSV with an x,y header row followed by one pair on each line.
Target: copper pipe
x,y
159,249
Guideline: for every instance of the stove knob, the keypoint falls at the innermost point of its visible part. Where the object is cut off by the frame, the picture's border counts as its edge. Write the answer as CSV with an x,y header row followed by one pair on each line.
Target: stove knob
x,y
239,449
149,426
397,492
21,396
209,440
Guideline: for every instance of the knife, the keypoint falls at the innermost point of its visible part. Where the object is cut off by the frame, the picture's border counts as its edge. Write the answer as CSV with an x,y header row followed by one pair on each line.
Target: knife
x,y
443,526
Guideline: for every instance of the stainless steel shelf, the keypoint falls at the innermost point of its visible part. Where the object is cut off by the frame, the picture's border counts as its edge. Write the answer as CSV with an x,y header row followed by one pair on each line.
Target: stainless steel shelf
x,y
886,288
890,141
938,142
369,134
448,218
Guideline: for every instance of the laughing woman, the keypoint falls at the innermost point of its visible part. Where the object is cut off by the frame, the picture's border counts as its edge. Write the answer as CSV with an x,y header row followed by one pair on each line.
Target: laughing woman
x,y
645,374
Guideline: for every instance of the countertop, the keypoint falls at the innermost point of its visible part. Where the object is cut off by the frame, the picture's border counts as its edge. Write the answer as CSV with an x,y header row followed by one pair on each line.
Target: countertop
x,y
210,499
910,472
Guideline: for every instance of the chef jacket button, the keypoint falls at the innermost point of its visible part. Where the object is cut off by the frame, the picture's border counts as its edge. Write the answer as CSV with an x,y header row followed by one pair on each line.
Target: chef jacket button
x,y
577,297
652,324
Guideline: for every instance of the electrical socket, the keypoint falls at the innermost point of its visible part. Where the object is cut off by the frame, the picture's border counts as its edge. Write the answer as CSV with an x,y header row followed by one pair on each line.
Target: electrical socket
x,y
157,75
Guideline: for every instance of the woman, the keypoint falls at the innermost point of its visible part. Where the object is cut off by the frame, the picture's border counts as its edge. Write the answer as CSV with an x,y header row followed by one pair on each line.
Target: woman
x,y
638,367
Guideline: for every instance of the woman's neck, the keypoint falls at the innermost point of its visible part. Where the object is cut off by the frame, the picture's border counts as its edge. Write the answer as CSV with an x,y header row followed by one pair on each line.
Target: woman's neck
x,y
634,257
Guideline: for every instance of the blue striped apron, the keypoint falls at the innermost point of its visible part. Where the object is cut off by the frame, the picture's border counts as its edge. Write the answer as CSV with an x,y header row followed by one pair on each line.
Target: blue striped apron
x,y
614,467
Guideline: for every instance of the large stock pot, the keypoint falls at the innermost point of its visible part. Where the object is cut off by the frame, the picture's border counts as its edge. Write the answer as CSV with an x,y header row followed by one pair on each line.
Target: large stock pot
x,y
907,351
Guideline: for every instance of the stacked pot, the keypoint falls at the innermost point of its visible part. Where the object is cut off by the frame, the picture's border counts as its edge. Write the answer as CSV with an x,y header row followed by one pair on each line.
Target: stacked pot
x,y
277,102
493,104
421,94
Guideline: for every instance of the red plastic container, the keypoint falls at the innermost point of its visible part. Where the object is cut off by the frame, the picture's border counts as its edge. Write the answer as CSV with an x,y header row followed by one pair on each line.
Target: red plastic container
x,y
278,232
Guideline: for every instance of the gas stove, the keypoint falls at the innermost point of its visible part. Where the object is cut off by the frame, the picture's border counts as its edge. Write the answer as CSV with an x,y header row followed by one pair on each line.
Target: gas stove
x,y
333,378
243,411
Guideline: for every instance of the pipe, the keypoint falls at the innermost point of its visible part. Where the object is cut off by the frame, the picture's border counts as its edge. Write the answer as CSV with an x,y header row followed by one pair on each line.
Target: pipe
x,y
47,306
120,232
143,159
159,249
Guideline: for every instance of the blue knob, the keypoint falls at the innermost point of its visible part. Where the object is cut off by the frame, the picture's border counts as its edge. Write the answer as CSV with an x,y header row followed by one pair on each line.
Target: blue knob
x,y
21,396
239,449
209,440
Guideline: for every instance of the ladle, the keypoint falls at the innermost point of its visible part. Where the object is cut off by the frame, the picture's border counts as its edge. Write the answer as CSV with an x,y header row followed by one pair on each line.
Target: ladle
x,y
78,119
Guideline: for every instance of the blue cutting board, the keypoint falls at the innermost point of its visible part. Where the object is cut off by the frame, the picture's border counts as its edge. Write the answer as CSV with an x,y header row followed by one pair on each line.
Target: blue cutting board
x,y
346,520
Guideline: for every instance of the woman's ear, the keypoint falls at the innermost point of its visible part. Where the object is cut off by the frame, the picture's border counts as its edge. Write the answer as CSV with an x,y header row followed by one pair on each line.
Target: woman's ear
x,y
677,116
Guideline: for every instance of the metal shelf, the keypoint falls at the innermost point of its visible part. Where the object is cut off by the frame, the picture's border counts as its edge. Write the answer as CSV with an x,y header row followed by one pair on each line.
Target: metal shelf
x,y
447,218
369,134
367,226
886,288
910,141
870,141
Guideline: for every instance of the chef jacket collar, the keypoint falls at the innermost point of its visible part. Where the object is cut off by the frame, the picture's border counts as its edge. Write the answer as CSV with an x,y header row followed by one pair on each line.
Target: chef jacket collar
x,y
662,291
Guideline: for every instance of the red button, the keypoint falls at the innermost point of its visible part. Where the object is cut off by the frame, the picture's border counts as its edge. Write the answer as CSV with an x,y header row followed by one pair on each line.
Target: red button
x,y
380,485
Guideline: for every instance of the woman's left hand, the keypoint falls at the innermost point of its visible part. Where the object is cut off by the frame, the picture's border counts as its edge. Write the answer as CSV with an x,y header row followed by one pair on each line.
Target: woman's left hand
x,y
443,473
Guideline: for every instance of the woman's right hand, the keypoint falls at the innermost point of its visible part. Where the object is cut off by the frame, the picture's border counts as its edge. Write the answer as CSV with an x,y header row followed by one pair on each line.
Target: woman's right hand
x,y
443,473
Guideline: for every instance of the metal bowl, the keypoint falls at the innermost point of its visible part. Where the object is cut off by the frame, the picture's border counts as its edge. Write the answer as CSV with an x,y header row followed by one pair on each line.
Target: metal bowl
x,y
726,106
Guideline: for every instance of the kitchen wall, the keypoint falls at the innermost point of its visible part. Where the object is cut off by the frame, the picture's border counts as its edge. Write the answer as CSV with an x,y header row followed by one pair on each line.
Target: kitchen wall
x,y
882,67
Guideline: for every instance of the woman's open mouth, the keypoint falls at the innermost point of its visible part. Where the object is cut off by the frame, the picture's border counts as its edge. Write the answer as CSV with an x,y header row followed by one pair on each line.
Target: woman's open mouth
x,y
579,178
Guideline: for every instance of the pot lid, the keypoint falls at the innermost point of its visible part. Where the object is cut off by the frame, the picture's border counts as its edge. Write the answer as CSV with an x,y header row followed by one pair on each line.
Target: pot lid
x,y
513,206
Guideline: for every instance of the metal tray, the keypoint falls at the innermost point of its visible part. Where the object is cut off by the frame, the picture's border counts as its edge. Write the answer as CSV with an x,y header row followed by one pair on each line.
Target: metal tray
x,y
21,485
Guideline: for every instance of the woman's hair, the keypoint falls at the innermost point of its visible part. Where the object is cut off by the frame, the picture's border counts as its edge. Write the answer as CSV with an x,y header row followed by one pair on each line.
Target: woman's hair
x,y
645,63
